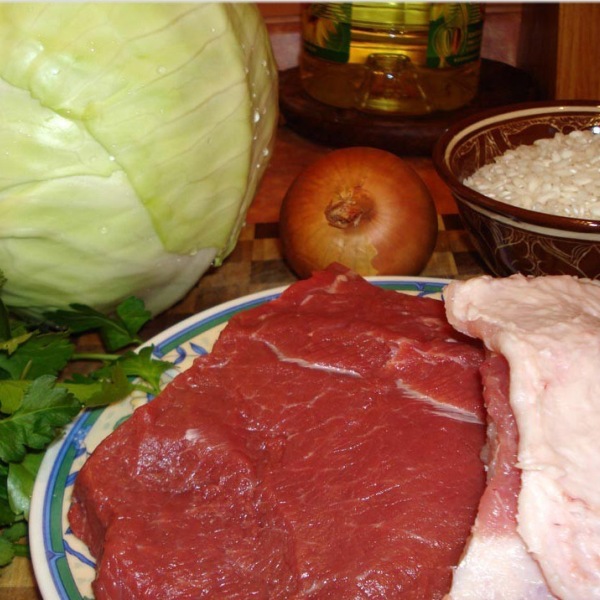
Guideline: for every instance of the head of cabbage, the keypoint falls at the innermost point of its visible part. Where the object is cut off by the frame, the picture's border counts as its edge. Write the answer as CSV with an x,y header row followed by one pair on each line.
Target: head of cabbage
x,y
132,138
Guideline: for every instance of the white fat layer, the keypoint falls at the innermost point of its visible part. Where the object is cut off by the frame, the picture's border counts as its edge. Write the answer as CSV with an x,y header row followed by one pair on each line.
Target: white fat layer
x,y
498,568
439,408
548,328
193,435
310,365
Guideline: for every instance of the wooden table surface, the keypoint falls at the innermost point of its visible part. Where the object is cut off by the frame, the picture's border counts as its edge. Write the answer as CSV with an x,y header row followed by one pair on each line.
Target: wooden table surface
x,y
257,264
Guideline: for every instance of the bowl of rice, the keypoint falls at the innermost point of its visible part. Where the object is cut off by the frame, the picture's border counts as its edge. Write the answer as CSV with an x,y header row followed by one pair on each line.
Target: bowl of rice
x,y
526,179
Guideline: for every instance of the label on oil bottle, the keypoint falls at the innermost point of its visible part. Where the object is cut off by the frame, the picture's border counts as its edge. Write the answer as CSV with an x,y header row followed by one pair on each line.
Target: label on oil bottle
x,y
455,32
454,37
326,31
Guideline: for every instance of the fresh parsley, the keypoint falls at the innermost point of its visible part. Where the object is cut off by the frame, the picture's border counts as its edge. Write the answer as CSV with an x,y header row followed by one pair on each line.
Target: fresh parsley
x,y
41,391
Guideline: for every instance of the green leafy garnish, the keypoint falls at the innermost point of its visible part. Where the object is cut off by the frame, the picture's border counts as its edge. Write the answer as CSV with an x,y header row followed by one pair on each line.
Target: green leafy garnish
x,y
38,398
116,332
9,543
43,410
35,355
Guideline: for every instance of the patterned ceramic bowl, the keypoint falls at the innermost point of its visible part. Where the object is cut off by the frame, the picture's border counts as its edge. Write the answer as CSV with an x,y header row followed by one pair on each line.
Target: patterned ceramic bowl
x,y
512,239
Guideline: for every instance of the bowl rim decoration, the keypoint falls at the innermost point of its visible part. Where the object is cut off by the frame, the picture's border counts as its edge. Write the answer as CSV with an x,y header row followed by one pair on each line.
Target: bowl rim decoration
x,y
486,119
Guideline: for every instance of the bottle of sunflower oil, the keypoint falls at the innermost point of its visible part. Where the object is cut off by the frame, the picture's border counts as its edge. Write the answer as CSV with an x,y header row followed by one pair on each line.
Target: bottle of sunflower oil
x,y
408,58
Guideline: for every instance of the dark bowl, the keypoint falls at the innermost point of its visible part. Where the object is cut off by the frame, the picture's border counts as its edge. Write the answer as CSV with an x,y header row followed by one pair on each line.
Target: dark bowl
x,y
511,239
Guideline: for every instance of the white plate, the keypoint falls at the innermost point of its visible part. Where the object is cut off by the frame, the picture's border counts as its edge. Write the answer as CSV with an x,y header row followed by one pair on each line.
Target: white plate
x,y
63,567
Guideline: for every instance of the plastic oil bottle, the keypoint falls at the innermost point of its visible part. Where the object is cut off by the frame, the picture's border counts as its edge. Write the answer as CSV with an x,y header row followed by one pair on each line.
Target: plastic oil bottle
x,y
391,57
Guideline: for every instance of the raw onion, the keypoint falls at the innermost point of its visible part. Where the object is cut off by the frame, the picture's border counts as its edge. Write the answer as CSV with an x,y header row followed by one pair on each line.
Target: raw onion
x,y
364,208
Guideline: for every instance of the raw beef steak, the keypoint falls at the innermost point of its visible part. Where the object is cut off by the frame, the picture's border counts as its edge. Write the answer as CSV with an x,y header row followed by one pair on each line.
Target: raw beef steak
x,y
328,447
542,538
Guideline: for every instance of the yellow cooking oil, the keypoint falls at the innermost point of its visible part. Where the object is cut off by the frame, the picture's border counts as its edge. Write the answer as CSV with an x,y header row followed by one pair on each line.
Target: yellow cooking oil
x,y
409,58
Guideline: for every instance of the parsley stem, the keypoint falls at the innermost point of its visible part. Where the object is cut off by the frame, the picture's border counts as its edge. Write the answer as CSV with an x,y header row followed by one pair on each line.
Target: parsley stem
x,y
95,356
26,369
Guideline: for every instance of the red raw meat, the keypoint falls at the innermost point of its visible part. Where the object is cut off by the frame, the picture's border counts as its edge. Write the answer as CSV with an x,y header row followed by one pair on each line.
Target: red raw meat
x,y
498,506
328,447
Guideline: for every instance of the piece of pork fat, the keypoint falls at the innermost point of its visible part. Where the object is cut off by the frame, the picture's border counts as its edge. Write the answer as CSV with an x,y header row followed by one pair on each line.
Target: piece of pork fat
x,y
548,331
496,564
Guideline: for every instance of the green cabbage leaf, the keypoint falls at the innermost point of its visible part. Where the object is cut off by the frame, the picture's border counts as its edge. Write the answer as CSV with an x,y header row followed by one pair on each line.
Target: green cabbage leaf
x,y
132,141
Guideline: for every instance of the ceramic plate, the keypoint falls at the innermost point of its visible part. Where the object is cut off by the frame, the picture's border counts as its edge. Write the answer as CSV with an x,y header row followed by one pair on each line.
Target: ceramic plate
x,y
63,567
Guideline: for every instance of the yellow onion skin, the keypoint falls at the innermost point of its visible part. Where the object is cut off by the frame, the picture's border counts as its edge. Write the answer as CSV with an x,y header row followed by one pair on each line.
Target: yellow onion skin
x,y
361,207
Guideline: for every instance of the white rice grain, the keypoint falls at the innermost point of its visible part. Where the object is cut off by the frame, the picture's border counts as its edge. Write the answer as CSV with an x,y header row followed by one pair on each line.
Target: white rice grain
x,y
559,176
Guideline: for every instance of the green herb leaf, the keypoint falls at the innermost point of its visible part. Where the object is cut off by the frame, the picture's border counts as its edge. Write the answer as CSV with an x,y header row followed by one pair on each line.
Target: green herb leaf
x,y
16,532
112,389
133,314
44,410
116,333
141,365
11,394
88,390
21,477
5,333
8,543
7,551
35,405
42,354
10,344
7,515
